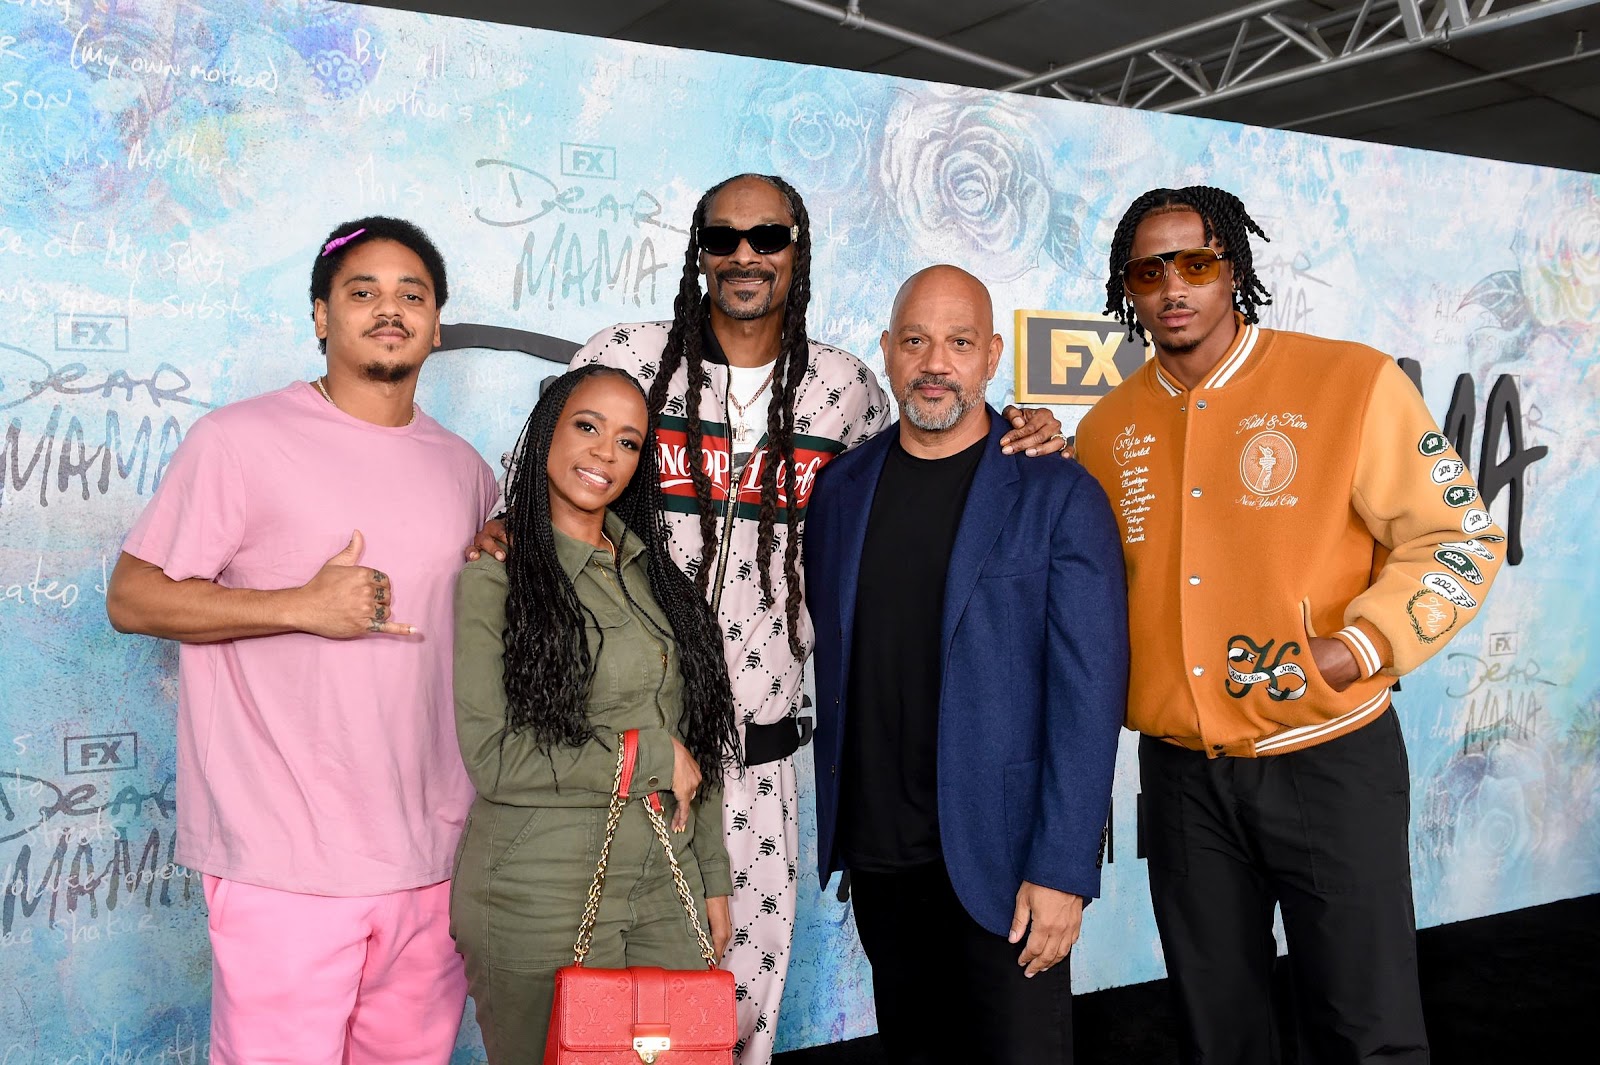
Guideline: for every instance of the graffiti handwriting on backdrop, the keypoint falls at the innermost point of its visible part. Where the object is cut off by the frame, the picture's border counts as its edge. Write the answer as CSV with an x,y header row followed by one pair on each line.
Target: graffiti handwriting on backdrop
x,y
64,458
76,858
622,229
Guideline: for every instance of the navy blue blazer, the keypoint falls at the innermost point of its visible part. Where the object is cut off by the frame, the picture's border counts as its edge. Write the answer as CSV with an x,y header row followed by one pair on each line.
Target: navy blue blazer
x,y
1035,669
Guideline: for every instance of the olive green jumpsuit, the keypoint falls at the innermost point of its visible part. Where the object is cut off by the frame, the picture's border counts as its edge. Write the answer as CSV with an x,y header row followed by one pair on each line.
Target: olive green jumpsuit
x,y
534,833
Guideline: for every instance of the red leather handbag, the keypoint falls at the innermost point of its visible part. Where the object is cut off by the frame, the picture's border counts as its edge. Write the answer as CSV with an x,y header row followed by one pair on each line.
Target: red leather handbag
x,y
641,1013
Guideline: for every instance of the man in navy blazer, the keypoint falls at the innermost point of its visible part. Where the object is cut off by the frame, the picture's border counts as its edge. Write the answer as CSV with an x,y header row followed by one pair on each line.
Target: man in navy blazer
x,y
971,670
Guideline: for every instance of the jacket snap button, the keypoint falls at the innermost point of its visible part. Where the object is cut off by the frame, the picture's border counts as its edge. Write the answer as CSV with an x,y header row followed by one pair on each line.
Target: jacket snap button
x,y
1199,671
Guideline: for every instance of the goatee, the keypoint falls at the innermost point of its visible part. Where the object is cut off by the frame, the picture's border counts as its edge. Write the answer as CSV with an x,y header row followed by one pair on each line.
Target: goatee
x,y
388,373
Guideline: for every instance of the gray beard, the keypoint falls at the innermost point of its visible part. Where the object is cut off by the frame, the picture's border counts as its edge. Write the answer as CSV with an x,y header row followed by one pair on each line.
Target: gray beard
x,y
930,422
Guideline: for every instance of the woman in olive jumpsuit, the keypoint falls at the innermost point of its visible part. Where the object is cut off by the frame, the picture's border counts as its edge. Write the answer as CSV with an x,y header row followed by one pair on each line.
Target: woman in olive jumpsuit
x,y
586,630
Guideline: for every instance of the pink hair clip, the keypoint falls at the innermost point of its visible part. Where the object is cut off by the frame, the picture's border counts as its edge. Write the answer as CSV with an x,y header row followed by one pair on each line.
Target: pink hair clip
x,y
338,242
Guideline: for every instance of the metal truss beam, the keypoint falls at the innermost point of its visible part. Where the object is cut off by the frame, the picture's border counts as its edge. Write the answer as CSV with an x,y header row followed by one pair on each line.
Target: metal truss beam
x,y
852,18
1149,73
1157,74
1149,44
1500,75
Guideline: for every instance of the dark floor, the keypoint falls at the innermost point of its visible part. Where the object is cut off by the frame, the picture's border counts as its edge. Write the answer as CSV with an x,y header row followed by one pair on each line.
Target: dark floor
x,y
1516,987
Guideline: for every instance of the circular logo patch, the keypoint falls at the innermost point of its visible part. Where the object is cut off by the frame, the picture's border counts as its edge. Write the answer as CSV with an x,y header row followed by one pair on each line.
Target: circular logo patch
x,y
1432,615
1267,463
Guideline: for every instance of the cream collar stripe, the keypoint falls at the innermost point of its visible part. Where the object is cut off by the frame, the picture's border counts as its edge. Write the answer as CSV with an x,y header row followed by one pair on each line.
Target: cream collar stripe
x,y
1244,344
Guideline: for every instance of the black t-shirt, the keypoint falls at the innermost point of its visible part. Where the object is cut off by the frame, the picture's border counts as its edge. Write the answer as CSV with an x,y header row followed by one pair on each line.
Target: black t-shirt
x,y
889,816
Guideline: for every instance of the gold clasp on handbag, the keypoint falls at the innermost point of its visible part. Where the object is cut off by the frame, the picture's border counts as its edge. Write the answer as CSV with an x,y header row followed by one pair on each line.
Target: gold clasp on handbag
x,y
649,1046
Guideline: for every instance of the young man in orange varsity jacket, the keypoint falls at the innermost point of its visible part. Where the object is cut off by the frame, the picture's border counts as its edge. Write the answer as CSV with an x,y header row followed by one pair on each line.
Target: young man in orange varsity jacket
x,y
1298,534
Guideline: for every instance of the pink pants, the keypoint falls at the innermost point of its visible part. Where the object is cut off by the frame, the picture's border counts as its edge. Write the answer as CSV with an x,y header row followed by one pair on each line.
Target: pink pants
x,y
315,980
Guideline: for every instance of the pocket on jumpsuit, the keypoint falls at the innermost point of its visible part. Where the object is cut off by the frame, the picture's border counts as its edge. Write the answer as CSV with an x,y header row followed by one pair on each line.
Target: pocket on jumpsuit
x,y
535,890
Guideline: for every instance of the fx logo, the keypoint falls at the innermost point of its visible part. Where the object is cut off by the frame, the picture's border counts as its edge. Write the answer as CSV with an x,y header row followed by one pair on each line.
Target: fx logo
x,y
1072,357
100,754
92,332
588,160
1502,644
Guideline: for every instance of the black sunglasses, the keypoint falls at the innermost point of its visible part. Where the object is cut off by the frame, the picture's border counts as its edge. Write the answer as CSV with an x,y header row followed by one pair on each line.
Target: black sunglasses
x,y
768,239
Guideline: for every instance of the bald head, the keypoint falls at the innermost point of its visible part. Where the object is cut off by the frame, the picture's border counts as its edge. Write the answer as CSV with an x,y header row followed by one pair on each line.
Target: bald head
x,y
941,350
944,282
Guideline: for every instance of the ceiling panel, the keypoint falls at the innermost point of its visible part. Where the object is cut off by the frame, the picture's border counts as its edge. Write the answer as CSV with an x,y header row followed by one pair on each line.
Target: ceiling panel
x,y
1549,117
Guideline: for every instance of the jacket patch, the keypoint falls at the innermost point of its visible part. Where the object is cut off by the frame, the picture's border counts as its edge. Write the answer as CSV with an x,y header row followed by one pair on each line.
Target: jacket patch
x,y
1431,614
1475,521
1446,585
1471,547
1433,444
1448,470
1249,665
1459,495
1268,463
1459,564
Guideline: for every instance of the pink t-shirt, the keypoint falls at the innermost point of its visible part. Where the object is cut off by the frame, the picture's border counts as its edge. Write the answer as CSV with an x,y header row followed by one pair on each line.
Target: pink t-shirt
x,y
328,767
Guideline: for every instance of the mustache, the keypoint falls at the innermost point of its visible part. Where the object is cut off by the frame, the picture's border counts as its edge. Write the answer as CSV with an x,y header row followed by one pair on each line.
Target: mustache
x,y
752,273
390,323
1175,305
935,379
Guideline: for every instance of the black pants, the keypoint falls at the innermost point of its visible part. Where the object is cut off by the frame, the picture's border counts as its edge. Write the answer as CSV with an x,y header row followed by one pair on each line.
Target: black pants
x,y
947,990
1322,832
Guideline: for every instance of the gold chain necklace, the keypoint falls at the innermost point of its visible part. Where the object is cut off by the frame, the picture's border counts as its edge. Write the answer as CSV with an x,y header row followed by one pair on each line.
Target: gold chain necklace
x,y
323,388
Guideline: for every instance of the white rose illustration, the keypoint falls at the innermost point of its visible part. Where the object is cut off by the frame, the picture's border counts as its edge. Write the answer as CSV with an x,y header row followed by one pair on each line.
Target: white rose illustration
x,y
965,174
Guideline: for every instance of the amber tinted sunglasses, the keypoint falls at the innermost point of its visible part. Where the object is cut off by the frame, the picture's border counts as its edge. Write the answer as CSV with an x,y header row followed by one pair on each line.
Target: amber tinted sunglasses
x,y
766,239
1196,266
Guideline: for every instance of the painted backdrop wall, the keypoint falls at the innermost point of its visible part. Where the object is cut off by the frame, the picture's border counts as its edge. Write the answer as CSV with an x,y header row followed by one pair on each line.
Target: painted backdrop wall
x,y
167,169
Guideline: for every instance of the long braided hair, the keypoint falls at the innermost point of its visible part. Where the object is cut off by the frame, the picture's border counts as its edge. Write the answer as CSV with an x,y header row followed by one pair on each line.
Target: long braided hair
x,y
548,668
1225,219
686,347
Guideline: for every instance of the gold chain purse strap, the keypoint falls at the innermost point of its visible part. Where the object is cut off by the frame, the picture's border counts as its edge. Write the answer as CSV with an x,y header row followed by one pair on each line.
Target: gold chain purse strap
x,y
627,746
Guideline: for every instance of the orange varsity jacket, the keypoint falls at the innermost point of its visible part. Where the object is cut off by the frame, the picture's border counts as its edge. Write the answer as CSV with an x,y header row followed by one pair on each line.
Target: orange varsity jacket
x,y
1301,490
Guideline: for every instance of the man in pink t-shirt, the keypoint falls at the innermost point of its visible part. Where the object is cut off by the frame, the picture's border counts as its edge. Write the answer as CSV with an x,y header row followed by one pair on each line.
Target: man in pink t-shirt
x,y
303,547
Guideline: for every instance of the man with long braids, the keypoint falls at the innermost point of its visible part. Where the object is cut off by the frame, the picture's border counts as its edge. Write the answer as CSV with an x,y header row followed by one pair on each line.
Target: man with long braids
x,y
1298,534
303,549
750,409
